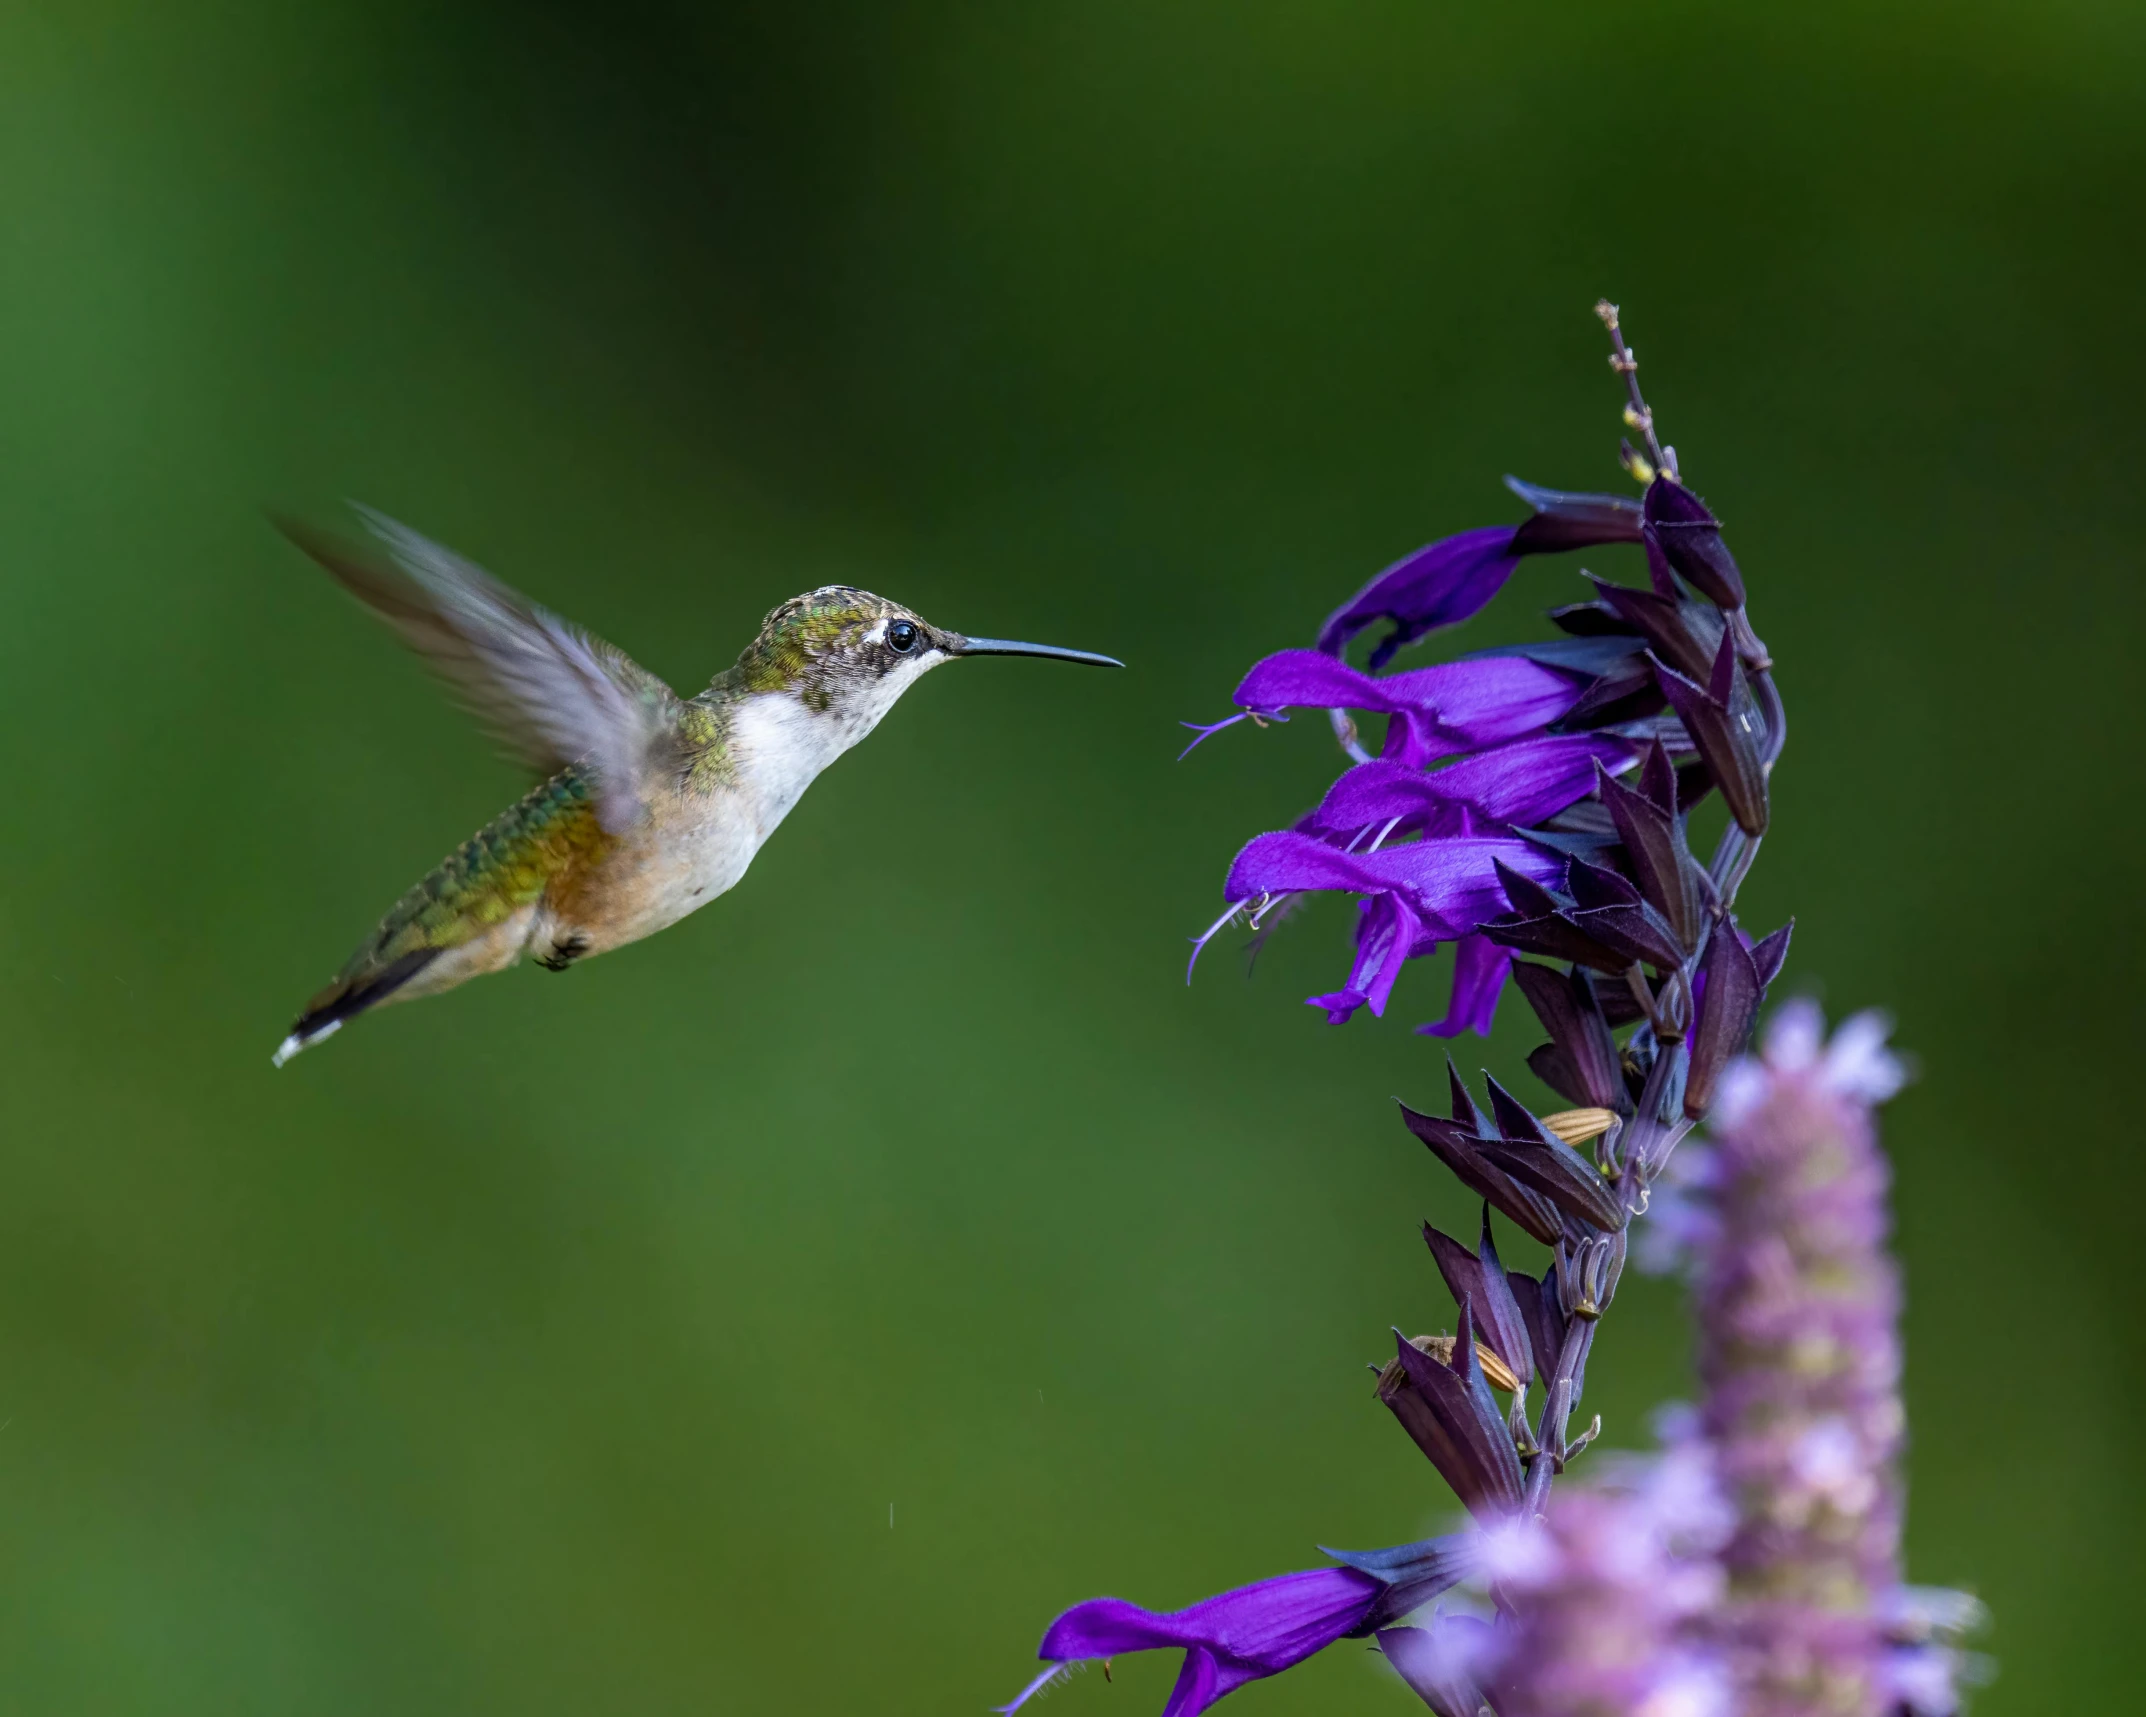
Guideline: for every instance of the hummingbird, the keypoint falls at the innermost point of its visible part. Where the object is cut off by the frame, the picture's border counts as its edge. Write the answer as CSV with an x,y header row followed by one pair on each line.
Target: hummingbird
x,y
648,805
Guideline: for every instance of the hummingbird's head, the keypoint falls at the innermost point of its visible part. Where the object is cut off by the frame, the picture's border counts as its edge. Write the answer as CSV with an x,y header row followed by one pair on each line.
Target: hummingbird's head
x,y
848,654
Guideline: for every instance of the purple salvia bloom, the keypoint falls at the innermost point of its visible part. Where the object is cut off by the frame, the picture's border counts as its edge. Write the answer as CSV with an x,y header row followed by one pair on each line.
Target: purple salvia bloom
x,y
1799,1351
1448,581
1228,1640
1453,885
1441,584
1516,784
1436,712
1418,895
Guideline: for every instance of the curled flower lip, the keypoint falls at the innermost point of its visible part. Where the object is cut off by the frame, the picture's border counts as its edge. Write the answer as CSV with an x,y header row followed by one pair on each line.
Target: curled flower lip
x,y
1446,582
1479,970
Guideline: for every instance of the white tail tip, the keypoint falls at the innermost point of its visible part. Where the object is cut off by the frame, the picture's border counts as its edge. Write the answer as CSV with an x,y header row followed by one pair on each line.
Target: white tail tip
x,y
291,1045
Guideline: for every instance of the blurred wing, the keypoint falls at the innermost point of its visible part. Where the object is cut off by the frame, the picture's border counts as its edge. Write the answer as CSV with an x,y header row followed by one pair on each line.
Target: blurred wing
x,y
548,691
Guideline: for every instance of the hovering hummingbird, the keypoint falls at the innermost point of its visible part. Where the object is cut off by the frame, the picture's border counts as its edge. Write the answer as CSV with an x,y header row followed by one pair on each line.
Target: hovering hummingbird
x,y
651,804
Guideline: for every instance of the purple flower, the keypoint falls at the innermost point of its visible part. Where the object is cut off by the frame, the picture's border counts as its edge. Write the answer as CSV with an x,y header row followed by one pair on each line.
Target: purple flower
x,y
1436,712
1229,1639
1441,584
1416,897
1799,1350
1514,785
1450,580
1605,1601
1257,1630
1925,1669
1480,968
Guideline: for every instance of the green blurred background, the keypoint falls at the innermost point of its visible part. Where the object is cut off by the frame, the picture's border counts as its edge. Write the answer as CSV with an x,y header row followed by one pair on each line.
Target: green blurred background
x,y
563,1345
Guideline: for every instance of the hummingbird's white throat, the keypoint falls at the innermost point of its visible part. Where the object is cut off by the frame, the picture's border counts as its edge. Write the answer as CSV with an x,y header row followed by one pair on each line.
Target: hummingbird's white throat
x,y
781,743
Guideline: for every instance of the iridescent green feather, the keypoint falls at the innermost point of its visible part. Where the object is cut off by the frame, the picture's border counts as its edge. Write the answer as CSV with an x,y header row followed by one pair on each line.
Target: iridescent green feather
x,y
502,868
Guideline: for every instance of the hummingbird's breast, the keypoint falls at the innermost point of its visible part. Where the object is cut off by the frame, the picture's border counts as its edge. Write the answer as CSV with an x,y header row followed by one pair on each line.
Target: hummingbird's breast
x,y
691,848
702,827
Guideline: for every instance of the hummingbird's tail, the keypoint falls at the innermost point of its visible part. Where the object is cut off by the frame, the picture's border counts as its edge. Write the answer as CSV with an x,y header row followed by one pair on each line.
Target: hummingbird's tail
x,y
349,996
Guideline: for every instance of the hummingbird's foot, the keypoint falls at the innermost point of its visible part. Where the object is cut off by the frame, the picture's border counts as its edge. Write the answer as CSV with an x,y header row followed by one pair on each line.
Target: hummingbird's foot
x,y
564,952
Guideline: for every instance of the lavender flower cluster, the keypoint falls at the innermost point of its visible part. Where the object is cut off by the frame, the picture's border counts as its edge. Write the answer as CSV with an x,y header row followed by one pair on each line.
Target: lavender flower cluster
x,y
1534,800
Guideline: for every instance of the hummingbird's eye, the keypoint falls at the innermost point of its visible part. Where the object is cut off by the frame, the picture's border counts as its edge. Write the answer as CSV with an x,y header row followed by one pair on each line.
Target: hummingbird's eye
x,y
903,637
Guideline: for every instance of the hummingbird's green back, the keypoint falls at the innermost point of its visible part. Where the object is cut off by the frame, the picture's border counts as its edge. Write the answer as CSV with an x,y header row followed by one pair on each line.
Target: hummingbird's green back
x,y
505,866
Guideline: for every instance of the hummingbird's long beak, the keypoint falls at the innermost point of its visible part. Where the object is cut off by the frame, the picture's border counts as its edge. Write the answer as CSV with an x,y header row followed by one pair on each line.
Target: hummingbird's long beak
x,y
1008,647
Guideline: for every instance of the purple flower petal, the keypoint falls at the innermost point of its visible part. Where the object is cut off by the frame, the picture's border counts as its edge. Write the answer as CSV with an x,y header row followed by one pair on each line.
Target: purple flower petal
x,y
1439,712
1229,1639
1479,969
1519,784
1445,582
1386,934
1452,885
1441,584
